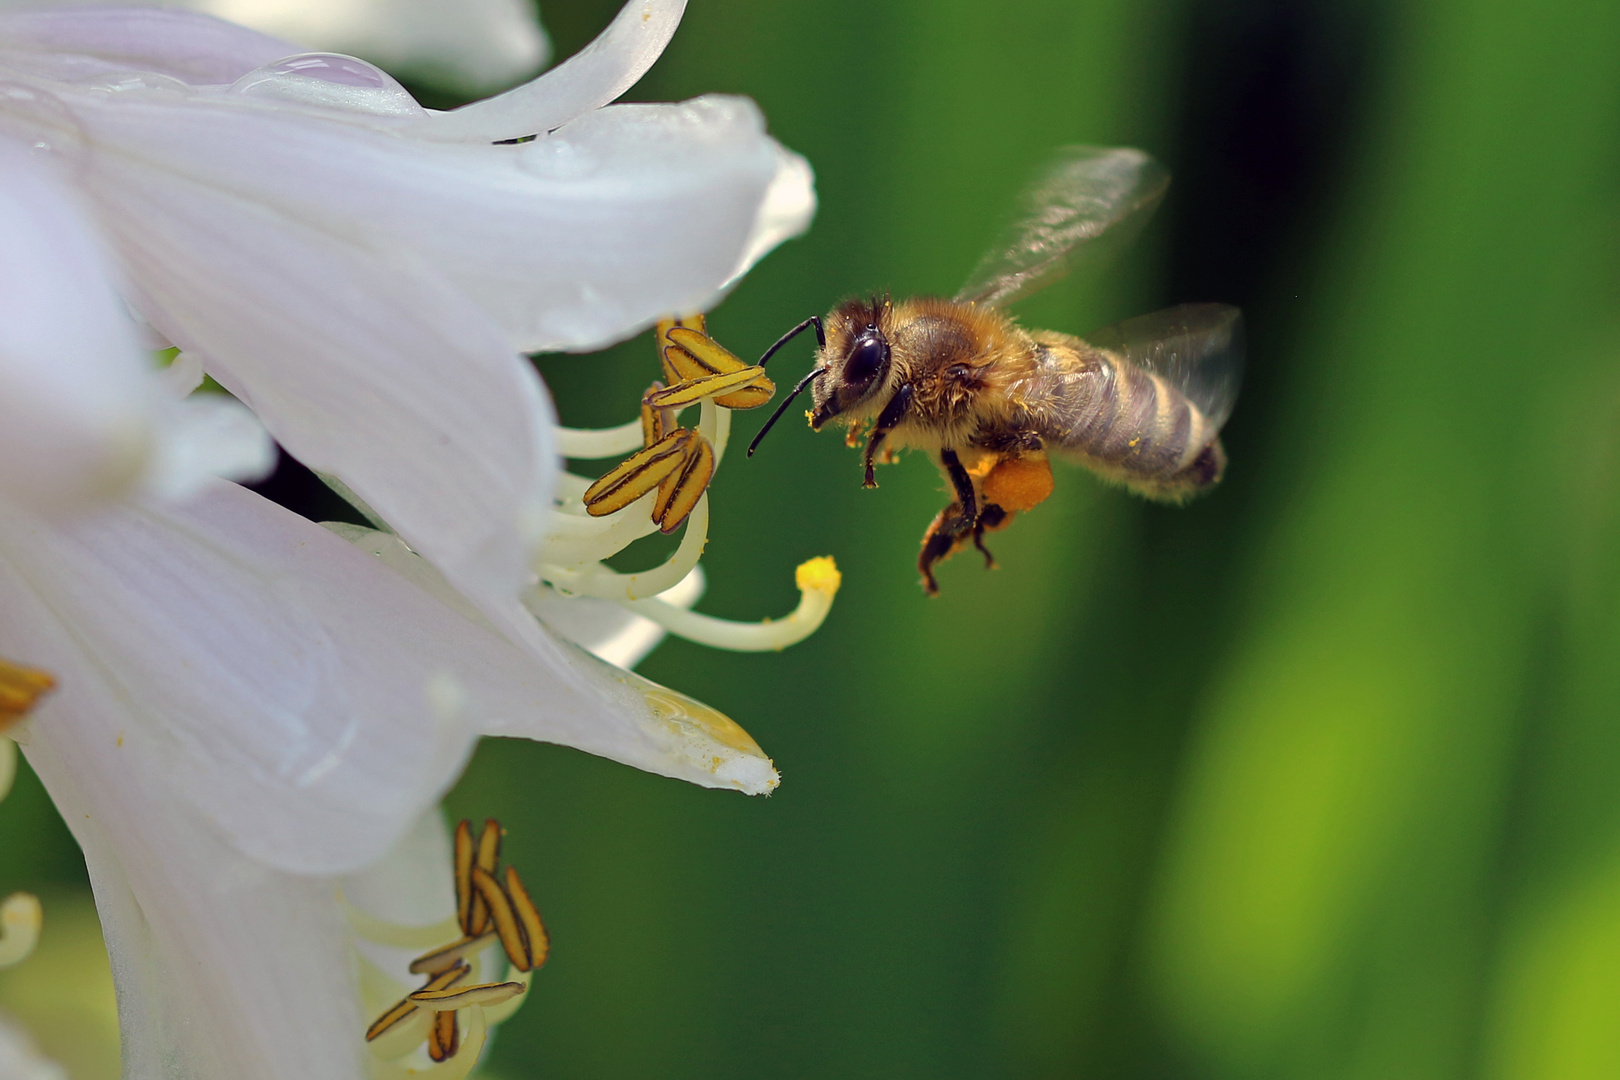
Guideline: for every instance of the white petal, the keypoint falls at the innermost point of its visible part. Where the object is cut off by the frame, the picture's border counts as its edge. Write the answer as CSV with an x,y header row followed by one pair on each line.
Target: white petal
x,y
71,43
358,361
76,416
785,212
583,701
596,75
224,967
568,242
279,676
19,1060
477,45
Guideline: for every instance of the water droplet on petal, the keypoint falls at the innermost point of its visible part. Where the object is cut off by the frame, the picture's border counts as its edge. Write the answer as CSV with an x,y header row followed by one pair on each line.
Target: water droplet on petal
x,y
41,122
331,80
122,82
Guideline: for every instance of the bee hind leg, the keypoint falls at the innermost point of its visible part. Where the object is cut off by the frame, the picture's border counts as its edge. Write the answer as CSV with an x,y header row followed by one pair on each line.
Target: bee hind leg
x,y
991,518
954,525
945,536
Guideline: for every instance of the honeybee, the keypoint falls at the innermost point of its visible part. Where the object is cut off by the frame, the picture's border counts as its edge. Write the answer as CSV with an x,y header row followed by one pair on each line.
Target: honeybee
x,y
1140,403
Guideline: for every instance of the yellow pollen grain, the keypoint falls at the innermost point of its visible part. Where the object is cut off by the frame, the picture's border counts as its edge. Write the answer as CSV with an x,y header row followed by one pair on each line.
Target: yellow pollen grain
x,y
818,575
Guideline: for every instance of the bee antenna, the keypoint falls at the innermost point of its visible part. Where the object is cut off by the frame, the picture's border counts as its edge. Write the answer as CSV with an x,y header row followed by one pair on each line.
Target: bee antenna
x,y
814,320
782,408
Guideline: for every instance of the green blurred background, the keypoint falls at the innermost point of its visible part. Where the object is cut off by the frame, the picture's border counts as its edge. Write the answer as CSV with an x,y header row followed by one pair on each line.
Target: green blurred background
x,y
1314,778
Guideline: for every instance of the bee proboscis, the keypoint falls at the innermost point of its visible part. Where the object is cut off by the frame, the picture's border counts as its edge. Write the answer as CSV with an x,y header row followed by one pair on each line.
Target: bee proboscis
x,y
1140,403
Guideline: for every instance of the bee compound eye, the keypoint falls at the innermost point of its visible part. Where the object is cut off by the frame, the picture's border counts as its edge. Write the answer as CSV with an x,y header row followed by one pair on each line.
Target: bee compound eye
x,y
866,359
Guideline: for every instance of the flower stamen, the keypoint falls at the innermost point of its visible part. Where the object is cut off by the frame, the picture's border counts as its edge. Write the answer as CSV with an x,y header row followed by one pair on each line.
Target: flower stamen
x,y
679,462
597,519
818,580
487,914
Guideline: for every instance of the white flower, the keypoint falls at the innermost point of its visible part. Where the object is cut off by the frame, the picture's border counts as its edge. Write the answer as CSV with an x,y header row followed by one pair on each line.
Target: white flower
x,y
251,709
474,45
248,708
363,272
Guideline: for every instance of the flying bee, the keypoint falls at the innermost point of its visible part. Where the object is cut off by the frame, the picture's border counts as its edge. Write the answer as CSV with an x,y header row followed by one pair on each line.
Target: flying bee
x,y
1140,403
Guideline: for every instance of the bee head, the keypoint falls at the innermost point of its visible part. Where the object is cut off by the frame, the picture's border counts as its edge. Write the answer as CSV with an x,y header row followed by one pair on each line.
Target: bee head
x,y
855,363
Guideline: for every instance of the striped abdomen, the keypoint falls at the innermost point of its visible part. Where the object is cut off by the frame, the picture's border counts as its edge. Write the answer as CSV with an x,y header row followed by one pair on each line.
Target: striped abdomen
x,y
1124,422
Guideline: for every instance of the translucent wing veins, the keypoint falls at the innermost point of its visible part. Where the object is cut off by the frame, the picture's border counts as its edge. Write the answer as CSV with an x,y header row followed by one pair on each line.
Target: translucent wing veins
x,y
1084,194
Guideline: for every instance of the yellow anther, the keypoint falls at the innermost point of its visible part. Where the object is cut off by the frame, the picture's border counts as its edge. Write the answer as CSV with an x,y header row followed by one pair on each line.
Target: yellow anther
x,y
638,474
691,391
443,1037
461,997
693,354
819,574
488,914
20,690
455,953
714,357
21,917
403,1009
679,493
464,863
534,930
489,850
500,911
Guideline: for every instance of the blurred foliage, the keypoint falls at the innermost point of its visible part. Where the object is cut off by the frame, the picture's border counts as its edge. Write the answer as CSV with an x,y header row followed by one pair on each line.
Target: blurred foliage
x,y
1314,778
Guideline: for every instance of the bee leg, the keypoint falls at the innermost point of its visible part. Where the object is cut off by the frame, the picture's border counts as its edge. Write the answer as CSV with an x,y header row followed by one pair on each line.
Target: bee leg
x,y
940,542
963,483
993,517
887,421
954,525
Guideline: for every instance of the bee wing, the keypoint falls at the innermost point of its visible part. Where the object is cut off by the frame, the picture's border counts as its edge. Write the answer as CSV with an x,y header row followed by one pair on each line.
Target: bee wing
x,y
1197,348
1086,192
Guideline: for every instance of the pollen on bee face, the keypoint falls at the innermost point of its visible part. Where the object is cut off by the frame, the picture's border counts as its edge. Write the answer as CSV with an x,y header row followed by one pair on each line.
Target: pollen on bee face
x,y
488,914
